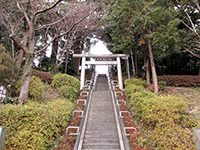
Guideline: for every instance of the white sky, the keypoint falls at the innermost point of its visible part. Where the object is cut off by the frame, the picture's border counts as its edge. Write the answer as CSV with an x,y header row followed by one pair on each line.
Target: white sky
x,y
100,48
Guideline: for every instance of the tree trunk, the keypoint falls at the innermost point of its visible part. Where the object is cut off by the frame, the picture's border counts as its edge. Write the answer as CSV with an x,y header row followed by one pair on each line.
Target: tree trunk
x,y
26,77
27,71
19,58
199,70
54,51
13,49
133,65
77,60
148,72
136,69
66,61
153,68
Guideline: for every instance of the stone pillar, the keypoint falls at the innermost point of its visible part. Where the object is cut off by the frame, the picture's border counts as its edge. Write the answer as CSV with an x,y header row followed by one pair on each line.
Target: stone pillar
x,y
119,72
2,136
197,137
82,72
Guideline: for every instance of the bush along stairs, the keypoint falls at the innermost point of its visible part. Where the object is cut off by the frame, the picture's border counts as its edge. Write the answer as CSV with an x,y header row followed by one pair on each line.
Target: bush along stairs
x,y
101,129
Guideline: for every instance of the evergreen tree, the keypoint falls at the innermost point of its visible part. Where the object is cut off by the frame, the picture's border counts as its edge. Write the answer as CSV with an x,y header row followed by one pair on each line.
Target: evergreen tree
x,y
144,23
8,69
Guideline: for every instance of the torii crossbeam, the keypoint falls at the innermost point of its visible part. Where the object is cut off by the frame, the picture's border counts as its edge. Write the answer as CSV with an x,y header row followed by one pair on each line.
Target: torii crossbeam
x,y
117,62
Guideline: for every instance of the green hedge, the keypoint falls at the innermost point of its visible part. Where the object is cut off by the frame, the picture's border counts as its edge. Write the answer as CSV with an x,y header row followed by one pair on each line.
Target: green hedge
x,y
65,79
36,88
35,126
181,80
44,76
66,85
166,116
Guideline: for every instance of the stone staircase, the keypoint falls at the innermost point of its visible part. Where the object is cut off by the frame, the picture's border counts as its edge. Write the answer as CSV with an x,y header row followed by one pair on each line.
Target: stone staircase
x,y
101,129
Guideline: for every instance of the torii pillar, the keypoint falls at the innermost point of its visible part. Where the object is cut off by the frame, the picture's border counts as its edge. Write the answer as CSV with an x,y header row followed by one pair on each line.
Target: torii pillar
x,y
119,73
82,72
117,62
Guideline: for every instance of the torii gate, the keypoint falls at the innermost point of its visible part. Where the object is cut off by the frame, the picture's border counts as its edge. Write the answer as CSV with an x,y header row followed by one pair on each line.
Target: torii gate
x,y
117,62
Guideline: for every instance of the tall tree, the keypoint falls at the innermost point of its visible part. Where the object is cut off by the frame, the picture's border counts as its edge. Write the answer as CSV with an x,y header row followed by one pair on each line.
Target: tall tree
x,y
76,37
151,22
8,69
33,12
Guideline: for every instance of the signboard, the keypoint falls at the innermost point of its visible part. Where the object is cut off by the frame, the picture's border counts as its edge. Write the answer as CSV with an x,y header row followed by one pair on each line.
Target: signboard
x,y
103,59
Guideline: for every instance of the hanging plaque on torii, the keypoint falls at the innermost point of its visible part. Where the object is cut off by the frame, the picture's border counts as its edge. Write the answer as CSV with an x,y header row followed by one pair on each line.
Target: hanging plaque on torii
x,y
103,59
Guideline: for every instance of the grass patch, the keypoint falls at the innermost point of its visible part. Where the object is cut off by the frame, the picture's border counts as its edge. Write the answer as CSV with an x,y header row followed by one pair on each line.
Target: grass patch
x,y
192,98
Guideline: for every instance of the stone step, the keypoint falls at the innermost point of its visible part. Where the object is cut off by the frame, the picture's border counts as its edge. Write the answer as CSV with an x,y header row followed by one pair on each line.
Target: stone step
x,y
100,102
99,149
98,123
99,93
96,127
90,140
102,135
100,131
105,113
101,145
101,127
103,116
94,115
108,119
100,120
101,109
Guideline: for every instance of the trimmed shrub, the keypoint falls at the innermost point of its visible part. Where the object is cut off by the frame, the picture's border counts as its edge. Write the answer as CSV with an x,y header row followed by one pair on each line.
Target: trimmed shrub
x,y
172,136
44,76
166,116
68,92
66,85
35,126
65,79
181,80
136,81
157,110
36,88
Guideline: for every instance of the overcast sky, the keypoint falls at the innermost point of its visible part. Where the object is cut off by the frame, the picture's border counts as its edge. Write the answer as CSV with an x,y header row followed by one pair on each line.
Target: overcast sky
x,y
100,48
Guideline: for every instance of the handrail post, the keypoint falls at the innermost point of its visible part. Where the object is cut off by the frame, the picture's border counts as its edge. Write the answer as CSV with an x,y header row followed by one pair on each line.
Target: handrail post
x,y
2,136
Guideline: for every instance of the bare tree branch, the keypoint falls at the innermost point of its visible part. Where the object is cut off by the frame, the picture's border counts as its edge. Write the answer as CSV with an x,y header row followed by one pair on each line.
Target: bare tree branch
x,y
66,32
197,4
18,42
47,9
24,12
192,24
190,51
65,49
50,24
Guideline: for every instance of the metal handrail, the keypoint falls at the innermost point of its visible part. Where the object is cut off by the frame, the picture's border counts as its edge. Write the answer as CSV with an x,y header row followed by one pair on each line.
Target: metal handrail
x,y
81,131
125,143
